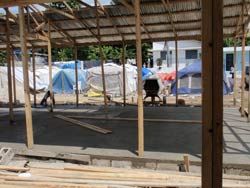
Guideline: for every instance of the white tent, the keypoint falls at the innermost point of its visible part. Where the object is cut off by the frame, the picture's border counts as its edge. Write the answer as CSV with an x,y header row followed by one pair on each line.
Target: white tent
x,y
113,79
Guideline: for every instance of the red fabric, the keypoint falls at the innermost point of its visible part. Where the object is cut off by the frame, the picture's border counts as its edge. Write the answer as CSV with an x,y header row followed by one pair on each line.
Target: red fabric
x,y
167,76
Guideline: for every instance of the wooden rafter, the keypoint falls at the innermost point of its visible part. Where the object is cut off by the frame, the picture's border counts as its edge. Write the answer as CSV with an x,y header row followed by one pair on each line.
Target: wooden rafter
x,y
111,20
170,16
131,8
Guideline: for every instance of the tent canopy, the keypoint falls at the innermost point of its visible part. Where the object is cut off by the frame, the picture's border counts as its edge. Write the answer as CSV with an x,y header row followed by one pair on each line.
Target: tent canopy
x,y
189,80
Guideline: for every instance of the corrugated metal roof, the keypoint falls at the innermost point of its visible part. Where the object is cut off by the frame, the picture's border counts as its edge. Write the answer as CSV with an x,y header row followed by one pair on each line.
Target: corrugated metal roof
x,y
156,26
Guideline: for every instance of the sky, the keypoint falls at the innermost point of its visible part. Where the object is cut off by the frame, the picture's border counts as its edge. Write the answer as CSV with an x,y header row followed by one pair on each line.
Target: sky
x,y
91,2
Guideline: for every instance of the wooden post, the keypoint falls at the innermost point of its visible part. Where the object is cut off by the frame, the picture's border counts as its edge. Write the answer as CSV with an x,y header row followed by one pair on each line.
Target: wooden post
x,y
13,75
176,71
28,113
50,70
139,73
243,72
101,55
11,114
212,93
76,76
34,74
124,72
235,78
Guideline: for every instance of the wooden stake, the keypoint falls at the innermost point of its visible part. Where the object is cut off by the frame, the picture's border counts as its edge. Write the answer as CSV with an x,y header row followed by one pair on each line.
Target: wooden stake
x,y
243,72
76,76
235,78
50,70
13,76
11,114
212,94
28,113
176,71
186,162
34,74
139,70
124,72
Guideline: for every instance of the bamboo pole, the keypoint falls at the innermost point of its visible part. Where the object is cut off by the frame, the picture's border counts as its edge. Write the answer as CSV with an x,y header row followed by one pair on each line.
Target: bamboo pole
x,y
140,89
50,70
124,72
235,78
243,64
76,76
101,55
34,74
28,112
212,93
176,71
11,113
13,76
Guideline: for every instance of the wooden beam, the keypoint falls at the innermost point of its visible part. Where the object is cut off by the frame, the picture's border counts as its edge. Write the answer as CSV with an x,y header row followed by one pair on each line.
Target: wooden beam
x,y
11,3
124,72
243,66
50,71
176,72
131,8
101,55
235,71
28,113
8,58
13,75
76,76
139,75
34,74
212,94
58,11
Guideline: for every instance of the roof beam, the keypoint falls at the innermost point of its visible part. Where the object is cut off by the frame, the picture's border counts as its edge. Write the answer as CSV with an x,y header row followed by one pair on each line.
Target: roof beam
x,y
131,8
11,3
170,16
110,19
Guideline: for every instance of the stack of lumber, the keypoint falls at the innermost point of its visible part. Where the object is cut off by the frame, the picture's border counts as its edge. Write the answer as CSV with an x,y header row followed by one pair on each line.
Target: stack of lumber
x,y
64,175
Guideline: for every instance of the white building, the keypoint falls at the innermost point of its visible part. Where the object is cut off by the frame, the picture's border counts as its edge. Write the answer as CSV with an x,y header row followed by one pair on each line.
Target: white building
x,y
189,51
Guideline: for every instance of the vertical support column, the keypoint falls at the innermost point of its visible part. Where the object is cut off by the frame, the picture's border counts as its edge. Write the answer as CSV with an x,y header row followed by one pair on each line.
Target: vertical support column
x,y
11,114
34,74
243,72
13,75
139,73
50,70
124,72
176,70
212,93
76,76
28,112
235,78
101,55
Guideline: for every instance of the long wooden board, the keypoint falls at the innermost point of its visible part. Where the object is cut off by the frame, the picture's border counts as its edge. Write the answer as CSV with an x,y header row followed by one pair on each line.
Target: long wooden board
x,y
85,125
135,119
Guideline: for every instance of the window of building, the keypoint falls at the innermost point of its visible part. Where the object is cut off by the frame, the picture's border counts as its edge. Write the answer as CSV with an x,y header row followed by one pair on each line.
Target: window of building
x,y
191,54
163,55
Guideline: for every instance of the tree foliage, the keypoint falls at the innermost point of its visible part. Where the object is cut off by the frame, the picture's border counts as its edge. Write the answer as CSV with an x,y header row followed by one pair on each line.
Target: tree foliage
x,y
72,3
2,58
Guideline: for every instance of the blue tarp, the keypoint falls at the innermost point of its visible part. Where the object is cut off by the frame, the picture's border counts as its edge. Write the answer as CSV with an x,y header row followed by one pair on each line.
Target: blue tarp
x,y
70,65
195,69
64,80
146,73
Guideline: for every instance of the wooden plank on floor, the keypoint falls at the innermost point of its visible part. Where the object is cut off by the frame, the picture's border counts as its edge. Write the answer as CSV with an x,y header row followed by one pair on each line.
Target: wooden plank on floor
x,y
85,125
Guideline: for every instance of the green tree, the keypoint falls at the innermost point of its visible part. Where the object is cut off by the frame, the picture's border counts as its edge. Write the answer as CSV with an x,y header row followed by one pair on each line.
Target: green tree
x,y
72,3
2,58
